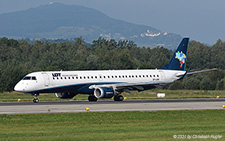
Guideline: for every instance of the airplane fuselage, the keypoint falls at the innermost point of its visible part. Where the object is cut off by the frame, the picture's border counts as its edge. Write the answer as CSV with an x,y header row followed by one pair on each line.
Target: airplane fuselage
x,y
79,81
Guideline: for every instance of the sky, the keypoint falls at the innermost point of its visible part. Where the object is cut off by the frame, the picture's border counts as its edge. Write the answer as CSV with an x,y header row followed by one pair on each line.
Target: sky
x,y
201,20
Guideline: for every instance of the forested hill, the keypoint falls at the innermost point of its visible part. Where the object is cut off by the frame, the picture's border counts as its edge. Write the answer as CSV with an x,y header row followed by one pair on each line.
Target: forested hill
x,y
18,58
72,21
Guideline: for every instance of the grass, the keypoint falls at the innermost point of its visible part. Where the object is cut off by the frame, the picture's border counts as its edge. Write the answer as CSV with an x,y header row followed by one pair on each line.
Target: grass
x,y
151,94
160,125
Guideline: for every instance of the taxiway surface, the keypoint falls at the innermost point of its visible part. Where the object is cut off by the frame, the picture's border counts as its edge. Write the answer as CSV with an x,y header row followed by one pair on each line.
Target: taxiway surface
x,y
109,105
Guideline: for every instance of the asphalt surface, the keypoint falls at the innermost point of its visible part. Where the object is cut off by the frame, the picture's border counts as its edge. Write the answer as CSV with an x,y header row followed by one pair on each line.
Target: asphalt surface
x,y
109,105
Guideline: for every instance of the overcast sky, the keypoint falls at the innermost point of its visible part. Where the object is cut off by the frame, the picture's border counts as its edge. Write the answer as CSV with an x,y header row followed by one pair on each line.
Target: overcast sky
x,y
201,20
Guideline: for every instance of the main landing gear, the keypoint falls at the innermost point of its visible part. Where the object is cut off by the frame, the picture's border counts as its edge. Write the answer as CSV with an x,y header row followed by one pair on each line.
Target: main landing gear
x,y
92,98
36,100
118,98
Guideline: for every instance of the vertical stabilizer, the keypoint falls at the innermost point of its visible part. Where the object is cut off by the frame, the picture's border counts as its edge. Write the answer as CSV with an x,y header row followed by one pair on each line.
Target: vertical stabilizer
x,y
178,61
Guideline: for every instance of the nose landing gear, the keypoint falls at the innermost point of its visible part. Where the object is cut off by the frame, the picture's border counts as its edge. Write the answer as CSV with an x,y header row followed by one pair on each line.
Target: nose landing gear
x,y
36,100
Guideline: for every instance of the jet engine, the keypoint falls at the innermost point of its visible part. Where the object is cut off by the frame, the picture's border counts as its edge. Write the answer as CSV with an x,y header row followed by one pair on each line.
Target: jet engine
x,y
66,95
104,92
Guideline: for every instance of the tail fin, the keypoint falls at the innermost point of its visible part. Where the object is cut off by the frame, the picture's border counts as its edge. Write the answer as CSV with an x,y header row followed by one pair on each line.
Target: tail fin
x,y
178,61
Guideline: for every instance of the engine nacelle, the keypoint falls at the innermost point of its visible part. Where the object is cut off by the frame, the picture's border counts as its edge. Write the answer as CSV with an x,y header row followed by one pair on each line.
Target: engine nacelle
x,y
66,95
104,92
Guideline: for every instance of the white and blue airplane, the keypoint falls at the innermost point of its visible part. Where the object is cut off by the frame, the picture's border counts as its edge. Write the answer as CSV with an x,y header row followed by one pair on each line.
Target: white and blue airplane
x,y
106,83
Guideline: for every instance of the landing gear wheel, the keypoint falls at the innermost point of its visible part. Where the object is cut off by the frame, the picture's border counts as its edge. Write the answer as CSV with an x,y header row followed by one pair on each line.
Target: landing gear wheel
x,y
36,100
118,98
92,98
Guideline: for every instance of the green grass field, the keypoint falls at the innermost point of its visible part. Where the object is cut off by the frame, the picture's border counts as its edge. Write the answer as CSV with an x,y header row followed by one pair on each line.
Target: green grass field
x,y
14,96
160,125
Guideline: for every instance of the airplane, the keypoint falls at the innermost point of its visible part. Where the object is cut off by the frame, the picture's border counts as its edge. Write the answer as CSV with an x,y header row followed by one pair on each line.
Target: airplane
x,y
106,83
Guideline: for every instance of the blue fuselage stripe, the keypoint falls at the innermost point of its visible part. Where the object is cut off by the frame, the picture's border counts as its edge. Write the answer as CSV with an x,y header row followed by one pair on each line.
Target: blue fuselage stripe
x,y
76,88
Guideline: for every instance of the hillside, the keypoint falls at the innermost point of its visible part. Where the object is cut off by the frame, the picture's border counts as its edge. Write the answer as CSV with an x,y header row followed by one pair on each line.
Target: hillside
x,y
72,21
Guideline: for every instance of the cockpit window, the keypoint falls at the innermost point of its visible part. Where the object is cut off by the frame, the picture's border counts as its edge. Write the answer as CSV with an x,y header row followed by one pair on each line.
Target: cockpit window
x,y
29,78
33,78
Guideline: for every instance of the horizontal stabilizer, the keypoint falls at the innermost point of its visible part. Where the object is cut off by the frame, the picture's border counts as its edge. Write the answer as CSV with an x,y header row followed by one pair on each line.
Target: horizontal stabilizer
x,y
196,72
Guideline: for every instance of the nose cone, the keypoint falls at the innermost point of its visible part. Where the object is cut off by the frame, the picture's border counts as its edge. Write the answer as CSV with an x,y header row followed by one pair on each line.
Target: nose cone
x,y
19,87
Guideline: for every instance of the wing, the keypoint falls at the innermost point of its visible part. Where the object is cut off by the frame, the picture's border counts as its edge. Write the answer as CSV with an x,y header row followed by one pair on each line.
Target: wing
x,y
132,86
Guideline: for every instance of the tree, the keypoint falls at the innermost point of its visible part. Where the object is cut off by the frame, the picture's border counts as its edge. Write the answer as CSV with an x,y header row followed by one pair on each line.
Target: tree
x,y
220,84
18,58
191,84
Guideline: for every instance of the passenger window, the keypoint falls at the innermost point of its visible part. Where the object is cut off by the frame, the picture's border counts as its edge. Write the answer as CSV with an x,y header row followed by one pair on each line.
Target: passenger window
x,y
95,76
153,75
157,75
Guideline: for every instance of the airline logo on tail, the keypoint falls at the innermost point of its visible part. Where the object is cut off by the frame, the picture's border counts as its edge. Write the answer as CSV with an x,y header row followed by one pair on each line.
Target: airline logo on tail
x,y
181,57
